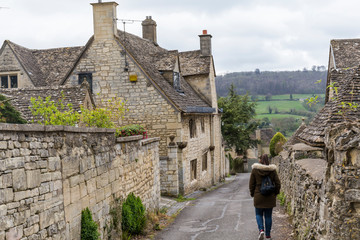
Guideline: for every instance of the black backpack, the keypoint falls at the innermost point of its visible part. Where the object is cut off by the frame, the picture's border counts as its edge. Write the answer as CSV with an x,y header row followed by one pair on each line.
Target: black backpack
x,y
267,186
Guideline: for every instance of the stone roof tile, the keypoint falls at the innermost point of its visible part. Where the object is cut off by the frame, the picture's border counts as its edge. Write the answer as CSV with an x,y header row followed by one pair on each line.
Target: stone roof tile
x,y
348,82
147,53
49,66
21,97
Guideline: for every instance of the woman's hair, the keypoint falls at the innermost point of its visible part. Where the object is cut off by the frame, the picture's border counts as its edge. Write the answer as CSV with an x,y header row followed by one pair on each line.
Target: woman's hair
x,y
264,159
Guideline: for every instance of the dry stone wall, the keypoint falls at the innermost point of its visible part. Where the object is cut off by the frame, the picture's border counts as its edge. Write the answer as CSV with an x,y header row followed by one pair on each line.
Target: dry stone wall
x,y
48,174
323,193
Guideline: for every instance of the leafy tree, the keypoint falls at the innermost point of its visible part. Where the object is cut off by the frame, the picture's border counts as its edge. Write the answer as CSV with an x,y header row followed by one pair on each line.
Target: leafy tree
x,y
237,120
8,114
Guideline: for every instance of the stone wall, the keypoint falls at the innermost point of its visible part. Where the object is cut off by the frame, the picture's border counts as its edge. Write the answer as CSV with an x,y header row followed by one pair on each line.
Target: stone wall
x,y
322,186
49,174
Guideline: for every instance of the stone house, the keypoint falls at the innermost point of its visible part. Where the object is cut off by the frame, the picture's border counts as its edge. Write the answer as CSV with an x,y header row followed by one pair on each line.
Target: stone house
x,y
171,93
320,164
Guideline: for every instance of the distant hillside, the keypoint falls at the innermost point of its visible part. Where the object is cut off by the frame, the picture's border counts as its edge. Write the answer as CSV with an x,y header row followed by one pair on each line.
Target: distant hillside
x,y
274,83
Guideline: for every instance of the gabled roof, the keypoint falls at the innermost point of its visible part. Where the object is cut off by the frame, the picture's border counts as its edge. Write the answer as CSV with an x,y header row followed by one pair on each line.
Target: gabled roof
x,y
21,97
193,63
346,52
348,83
46,67
146,53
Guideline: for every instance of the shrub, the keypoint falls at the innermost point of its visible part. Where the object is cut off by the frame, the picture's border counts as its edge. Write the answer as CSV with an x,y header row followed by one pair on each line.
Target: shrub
x,y
8,114
89,228
133,215
276,143
131,130
238,165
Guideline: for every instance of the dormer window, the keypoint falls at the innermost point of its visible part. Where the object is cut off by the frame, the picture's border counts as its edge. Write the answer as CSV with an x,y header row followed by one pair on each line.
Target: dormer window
x,y
9,81
176,80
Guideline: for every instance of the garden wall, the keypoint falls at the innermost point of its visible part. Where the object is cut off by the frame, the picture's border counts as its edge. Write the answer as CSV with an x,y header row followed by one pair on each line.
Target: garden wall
x,y
322,185
49,174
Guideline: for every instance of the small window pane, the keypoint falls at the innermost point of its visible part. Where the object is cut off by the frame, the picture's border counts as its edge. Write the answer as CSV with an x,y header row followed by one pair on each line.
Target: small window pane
x,y
193,165
4,82
87,77
13,81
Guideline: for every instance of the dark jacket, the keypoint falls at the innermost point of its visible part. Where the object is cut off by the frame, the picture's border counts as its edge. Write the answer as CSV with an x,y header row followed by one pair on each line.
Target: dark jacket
x,y
257,173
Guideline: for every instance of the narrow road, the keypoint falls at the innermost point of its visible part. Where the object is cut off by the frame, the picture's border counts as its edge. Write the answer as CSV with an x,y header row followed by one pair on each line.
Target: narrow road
x,y
224,213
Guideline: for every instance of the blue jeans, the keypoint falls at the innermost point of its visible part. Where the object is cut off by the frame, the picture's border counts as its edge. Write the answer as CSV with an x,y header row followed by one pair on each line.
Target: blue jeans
x,y
260,214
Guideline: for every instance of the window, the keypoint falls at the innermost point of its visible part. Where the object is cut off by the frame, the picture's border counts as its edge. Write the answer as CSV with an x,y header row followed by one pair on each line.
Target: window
x,y
4,82
192,128
176,80
204,161
13,81
86,77
193,169
9,80
202,125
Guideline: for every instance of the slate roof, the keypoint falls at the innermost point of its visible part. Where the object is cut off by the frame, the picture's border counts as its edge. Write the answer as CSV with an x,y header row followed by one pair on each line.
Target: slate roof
x,y
346,52
348,81
49,66
147,53
21,97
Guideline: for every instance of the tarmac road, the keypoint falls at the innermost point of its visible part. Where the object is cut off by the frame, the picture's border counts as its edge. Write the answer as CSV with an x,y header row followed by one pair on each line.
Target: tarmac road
x,y
224,213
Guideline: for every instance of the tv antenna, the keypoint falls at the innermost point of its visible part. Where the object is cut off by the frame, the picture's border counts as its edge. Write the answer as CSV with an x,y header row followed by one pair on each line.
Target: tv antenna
x,y
125,21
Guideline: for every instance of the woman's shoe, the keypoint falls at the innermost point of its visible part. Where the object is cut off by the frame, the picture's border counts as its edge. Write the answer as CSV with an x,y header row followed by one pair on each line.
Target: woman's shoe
x,y
261,235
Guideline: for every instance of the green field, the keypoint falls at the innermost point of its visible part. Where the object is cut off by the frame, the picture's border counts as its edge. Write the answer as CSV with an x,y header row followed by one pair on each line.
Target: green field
x,y
287,96
282,106
271,116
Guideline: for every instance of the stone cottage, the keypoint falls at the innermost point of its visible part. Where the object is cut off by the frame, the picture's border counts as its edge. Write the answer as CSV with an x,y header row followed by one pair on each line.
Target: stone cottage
x,y
320,164
172,94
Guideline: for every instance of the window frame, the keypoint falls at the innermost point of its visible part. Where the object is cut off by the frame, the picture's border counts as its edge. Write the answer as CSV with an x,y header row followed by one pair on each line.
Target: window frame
x,y
193,169
192,128
11,80
88,77
204,163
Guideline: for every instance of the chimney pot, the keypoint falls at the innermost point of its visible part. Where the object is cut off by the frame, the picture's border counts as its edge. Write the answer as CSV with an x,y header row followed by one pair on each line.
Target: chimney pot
x,y
205,43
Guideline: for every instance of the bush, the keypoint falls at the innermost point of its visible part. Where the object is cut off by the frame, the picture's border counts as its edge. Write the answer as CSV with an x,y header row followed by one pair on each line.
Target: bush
x,y
8,114
89,228
133,215
131,130
276,143
238,165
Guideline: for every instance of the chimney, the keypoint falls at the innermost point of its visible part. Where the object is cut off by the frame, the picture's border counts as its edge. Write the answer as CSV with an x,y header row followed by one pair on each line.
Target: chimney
x,y
105,26
205,43
149,29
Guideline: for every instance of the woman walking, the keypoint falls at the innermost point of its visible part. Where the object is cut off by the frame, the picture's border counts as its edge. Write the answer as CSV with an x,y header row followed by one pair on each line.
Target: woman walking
x,y
264,204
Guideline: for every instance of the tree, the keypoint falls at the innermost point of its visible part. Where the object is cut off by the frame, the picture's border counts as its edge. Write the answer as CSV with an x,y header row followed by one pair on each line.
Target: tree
x,y
238,121
268,97
8,114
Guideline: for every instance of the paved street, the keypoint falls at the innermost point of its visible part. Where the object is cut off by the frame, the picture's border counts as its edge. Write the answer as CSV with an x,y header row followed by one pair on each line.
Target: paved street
x,y
224,213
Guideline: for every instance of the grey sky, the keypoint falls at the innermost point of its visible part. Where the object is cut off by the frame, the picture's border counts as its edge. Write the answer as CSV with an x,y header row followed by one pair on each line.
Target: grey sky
x,y
247,34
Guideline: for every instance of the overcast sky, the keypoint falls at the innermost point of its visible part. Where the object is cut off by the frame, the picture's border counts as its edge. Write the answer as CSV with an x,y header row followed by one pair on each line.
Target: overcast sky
x,y
247,34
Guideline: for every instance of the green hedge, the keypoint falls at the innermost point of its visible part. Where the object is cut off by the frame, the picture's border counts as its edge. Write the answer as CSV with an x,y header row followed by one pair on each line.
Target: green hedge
x,y
89,228
276,143
133,215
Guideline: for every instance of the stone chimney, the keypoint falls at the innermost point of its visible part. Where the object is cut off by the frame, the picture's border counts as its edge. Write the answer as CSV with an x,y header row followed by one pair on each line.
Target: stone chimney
x,y
205,44
105,26
149,29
